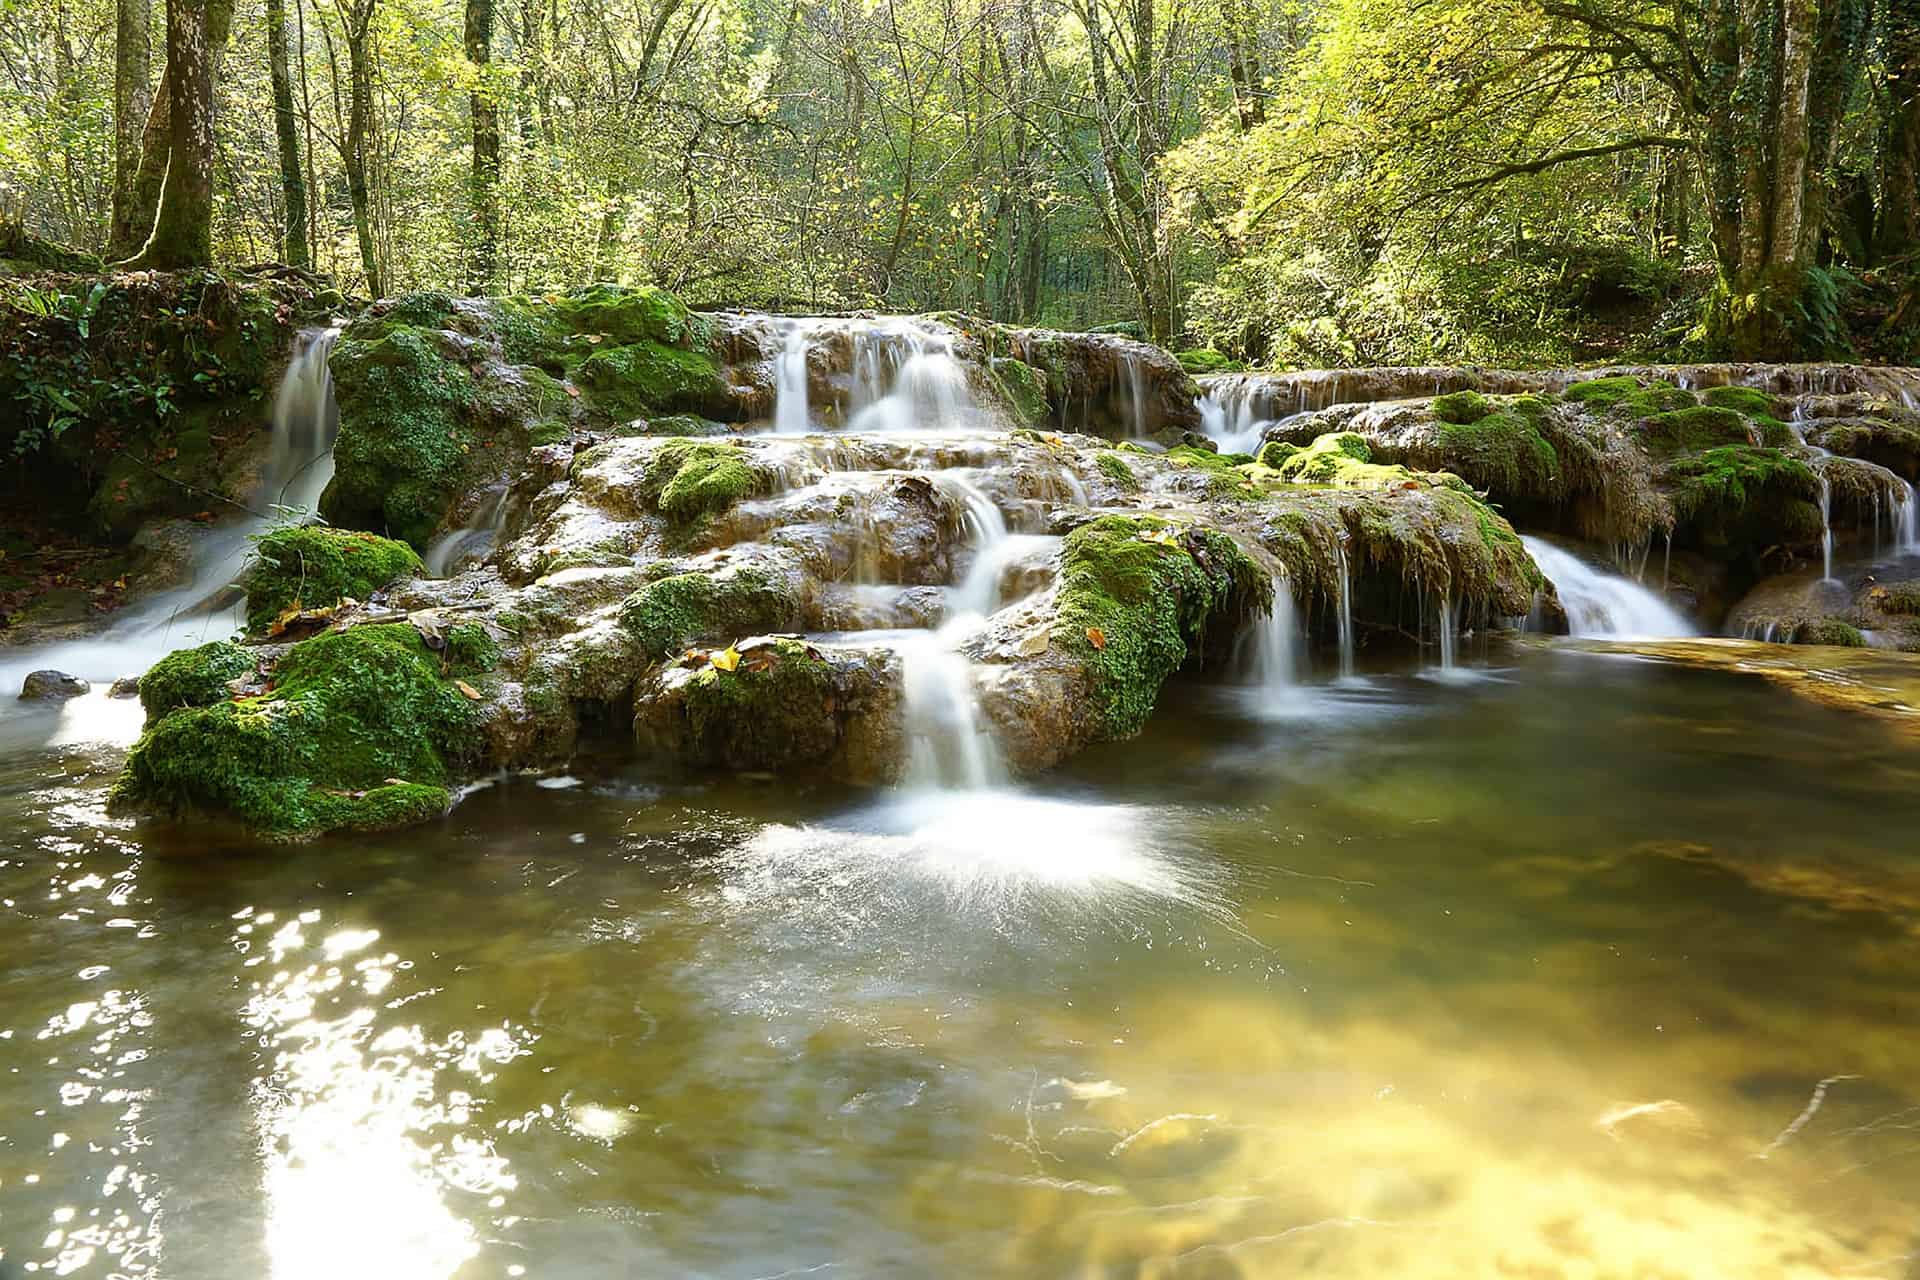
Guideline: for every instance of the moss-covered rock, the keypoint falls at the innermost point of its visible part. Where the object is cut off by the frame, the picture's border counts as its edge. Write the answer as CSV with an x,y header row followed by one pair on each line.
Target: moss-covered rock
x,y
1138,595
720,607
1025,390
361,729
1501,451
1115,468
194,677
1693,430
1461,408
1627,395
688,481
1738,500
643,378
1203,360
314,567
1831,631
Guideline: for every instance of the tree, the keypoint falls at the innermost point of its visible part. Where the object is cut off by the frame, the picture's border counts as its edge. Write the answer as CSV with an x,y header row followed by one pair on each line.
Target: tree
x,y
293,185
131,100
482,262
356,24
183,227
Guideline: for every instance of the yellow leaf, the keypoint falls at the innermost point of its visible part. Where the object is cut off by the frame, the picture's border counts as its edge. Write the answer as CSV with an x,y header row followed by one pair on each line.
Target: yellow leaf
x,y
1096,637
283,619
1163,536
727,660
471,693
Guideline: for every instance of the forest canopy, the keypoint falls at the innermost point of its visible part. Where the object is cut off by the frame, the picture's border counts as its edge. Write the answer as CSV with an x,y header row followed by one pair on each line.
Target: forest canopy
x,y
1293,182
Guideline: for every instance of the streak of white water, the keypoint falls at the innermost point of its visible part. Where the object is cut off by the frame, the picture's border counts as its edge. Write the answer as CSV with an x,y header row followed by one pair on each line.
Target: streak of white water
x,y
1906,522
207,607
1229,415
790,411
1447,660
1605,604
457,548
1136,392
1798,425
1346,613
907,378
1267,655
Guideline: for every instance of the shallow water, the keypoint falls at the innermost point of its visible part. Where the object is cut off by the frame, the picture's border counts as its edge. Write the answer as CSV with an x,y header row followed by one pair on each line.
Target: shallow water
x,y
1536,975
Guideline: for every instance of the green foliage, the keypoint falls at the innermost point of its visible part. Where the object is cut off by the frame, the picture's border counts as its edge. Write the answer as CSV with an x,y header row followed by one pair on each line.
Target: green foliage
x,y
665,615
314,567
193,677
1151,605
361,730
1207,360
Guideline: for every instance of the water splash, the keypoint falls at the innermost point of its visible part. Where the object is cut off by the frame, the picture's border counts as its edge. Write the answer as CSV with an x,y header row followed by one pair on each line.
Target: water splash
x,y
1605,604
1230,415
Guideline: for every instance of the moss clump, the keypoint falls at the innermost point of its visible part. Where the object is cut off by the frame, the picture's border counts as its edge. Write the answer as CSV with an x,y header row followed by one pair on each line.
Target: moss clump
x,y
1275,452
1624,394
774,710
1136,606
1115,468
644,378
1742,499
1025,391
401,454
664,616
684,424
1186,455
624,315
1504,452
314,567
1830,631
1693,430
1897,597
1461,408
1341,458
1750,401
1205,361
422,309
688,481
548,432
359,731
193,677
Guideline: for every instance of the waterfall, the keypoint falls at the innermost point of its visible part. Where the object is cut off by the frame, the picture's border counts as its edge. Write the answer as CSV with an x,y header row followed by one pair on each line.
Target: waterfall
x,y
456,548
1447,657
1229,414
1906,522
299,464
1135,386
1600,604
1346,612
1798,424
790,416
1266,655
905,378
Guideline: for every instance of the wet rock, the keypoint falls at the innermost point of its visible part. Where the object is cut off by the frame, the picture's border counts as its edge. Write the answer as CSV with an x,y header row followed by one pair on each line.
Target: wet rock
x,y
51,686
125,687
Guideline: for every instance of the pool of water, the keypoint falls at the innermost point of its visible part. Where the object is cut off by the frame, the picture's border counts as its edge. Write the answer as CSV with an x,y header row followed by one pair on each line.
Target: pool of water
x,y
1585,967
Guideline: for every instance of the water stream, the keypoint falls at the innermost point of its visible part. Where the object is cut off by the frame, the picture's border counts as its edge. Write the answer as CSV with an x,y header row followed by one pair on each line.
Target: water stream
x,y
1602,604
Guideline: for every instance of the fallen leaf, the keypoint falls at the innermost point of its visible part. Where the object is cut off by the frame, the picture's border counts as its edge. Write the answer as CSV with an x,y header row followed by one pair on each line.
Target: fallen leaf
x,y
1163,536
727,659
1096,637
284,619
472,694
574,392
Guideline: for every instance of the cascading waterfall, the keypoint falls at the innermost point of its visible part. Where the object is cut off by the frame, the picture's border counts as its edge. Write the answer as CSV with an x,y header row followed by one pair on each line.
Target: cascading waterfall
x,y
207,607
1346,612
907,377
1602,604
790,410
1906,522
1135,383
457,548
1447,657
1798,425
1229,415
1267,654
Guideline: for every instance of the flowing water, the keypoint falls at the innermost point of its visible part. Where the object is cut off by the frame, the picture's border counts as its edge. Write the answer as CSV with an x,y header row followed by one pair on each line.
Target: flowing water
x,y
1604,604
1603,968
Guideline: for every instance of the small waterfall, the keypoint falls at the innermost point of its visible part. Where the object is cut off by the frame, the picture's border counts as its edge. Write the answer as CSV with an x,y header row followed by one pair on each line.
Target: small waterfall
x,y
1906,522
1346,612
1229,414
905,378
976,593
790,414
1600,604
1448,660
1267,653
207,607
1798,424
457,548
1134,383
948,748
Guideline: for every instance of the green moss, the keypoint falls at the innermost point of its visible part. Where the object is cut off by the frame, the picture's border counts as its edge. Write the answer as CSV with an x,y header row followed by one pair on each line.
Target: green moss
x,y
688,481
314,567
1830,631
1275,452
1741,499
1750,401
1693,430
1338,458
1207,361
548,432
1025,390
1186,455
607,555
402,451
644,378
664,616
193,677
627,315
470,650
684,424
361,730
1897,597
1625,394
1115,468
1504,452
424,308
1150,603
775,710
1461,408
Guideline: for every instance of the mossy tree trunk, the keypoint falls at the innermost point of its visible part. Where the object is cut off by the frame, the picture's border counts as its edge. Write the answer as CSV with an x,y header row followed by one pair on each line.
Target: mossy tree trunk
x,y
356,22
132,98
483,258
1898,231
293,186
183,227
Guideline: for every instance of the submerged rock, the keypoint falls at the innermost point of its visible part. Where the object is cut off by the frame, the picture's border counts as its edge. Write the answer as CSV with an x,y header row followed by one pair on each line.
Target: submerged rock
x,y
51,686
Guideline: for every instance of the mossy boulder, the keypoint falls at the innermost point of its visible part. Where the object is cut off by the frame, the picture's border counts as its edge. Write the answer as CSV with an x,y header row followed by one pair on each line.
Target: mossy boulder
x,y
194,677
1204,360
1830,631
1024,388
314,567
1461,408
362,729
1138,596
1738,500
1501,450
1115,468
664,616
1693,430
1627,395
643,378
689,481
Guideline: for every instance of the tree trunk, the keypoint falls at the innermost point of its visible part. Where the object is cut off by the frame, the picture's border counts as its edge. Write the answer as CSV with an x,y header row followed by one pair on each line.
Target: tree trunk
x,y
183,228
293,186
359,130
131,102
1898,232
483,259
